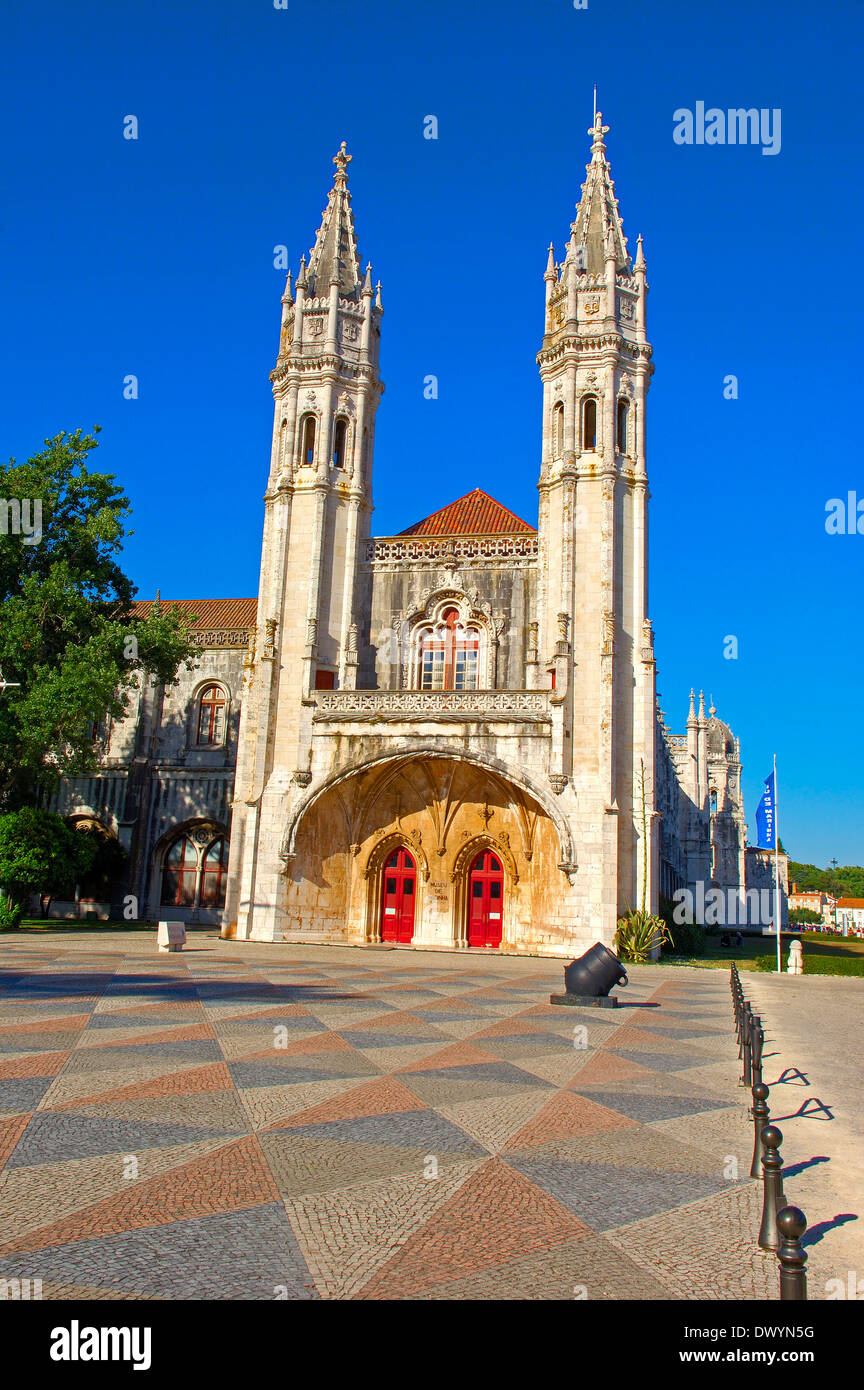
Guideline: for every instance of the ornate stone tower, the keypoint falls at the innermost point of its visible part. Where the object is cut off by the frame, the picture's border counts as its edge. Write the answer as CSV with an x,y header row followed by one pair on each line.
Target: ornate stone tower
x,y
317,508
595,364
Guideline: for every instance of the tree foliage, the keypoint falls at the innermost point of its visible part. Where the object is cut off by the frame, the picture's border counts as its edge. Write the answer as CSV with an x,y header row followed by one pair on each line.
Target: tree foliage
x,y
69,634
40,853
845,882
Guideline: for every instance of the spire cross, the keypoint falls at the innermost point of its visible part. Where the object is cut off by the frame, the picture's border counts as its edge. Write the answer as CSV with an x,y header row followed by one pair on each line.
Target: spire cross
x,y
342,159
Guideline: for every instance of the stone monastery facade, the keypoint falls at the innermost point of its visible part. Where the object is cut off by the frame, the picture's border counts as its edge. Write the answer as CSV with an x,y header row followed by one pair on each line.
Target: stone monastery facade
x,y
449,737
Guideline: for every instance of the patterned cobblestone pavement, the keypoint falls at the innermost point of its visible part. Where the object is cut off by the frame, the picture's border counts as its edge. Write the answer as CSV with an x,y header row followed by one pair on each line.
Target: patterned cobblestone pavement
x,y
260,1122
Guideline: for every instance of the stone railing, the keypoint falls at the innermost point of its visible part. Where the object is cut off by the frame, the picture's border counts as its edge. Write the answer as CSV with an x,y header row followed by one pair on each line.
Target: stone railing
x,y
236,637
432,704
436,548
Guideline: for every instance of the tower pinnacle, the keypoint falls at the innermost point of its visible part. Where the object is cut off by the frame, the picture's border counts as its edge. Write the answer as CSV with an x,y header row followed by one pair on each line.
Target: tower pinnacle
x,y
334,258
598,222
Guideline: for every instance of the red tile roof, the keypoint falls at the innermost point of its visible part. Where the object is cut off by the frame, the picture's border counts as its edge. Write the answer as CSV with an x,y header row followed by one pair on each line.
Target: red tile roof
x,y
208,612
475,514
850,902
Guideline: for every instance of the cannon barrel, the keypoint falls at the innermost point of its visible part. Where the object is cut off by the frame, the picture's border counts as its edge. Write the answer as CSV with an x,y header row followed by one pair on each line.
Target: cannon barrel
x,y
595,973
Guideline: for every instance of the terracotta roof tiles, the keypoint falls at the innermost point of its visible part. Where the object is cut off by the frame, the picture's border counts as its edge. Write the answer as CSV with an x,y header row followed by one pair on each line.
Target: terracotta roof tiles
x,y
475,514
208,612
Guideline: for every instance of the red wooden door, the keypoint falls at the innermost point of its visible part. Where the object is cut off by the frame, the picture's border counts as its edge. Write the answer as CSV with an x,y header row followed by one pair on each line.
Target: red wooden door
x,y
397,897
485,900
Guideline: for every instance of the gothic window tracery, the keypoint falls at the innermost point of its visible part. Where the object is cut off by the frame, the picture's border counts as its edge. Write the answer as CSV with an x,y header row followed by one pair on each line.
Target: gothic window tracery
x,y
195,875
210,723
449,653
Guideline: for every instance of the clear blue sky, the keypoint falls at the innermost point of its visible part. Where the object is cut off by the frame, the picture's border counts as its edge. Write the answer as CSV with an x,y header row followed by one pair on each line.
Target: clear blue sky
x,y
155,257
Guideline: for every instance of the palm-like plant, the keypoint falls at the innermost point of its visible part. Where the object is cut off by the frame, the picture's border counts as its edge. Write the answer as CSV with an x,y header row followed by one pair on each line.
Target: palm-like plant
x,y
639,935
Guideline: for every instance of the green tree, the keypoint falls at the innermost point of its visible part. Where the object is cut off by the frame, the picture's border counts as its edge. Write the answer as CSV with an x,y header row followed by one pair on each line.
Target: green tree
x,y
846,882
40,853
69,634
803,916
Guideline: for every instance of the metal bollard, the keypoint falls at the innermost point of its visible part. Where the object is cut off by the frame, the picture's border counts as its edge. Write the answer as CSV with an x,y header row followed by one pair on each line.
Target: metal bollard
x,y
747,1075
761,1117
792,1257
773,1198
757,1039
742,1028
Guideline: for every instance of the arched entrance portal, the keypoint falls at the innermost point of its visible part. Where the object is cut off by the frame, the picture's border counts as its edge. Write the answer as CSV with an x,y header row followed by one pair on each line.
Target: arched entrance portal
x,y
485,900
397,897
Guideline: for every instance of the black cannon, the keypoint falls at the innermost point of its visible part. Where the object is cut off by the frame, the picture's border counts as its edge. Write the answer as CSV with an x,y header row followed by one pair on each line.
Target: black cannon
x,y
589,979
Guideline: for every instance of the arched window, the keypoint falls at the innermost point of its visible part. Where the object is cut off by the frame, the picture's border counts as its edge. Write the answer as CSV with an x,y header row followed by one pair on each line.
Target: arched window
x,y
211,715
623,413
558,431
589,423
214,874
307,437
449,655
340,439
180,874
193,879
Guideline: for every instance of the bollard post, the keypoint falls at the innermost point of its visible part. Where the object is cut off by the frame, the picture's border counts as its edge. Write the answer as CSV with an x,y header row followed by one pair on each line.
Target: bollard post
x,y
742,1025
761,1117
772,1182
792,1257
757,1038
747,1075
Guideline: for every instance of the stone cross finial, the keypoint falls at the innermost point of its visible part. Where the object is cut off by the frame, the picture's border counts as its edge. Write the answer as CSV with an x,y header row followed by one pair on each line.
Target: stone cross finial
x,y
598,130
342,159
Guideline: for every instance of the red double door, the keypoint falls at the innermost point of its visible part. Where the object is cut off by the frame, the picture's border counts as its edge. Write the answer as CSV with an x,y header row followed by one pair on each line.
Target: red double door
x,y
398,893
485,901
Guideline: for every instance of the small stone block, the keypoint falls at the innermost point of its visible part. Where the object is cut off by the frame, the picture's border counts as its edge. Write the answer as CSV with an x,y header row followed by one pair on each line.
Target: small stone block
x,y
586,1001
170,936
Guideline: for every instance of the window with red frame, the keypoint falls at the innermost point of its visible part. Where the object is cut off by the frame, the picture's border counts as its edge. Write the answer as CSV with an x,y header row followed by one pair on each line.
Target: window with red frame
x,y
449,655
214,875
180,874
211,715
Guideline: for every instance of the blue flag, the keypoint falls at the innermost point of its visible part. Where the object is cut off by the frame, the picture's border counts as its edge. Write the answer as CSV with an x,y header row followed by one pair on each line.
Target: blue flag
x,y
766,816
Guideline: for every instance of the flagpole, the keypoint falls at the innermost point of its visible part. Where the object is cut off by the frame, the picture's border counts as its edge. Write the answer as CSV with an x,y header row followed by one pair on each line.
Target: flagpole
x,y
777,863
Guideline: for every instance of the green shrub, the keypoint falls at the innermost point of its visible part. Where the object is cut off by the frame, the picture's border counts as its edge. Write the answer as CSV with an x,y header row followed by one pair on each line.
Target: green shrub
x,y
685,939
814,965
10,914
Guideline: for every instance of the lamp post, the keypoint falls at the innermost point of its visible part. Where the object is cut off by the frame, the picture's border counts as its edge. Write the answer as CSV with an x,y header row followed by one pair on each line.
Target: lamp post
x,y
833,863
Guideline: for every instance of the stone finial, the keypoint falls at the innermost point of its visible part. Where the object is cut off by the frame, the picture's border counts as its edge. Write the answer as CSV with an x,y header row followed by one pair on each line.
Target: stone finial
x,y
598,130
640,254
342,159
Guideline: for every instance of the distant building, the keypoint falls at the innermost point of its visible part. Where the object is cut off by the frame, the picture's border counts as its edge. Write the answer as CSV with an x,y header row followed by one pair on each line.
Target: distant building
x,y
761,880
850,916
811,900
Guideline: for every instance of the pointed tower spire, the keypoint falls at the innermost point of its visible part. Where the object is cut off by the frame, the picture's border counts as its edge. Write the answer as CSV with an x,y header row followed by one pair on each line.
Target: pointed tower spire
x,y
598,222
334,258
691,718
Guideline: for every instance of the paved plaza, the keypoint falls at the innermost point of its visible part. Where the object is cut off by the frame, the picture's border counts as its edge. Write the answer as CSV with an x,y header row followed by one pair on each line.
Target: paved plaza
x,y
265,1122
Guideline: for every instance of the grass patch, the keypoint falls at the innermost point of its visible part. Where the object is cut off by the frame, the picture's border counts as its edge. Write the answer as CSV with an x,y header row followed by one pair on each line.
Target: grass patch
x,y
824,953
62,924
